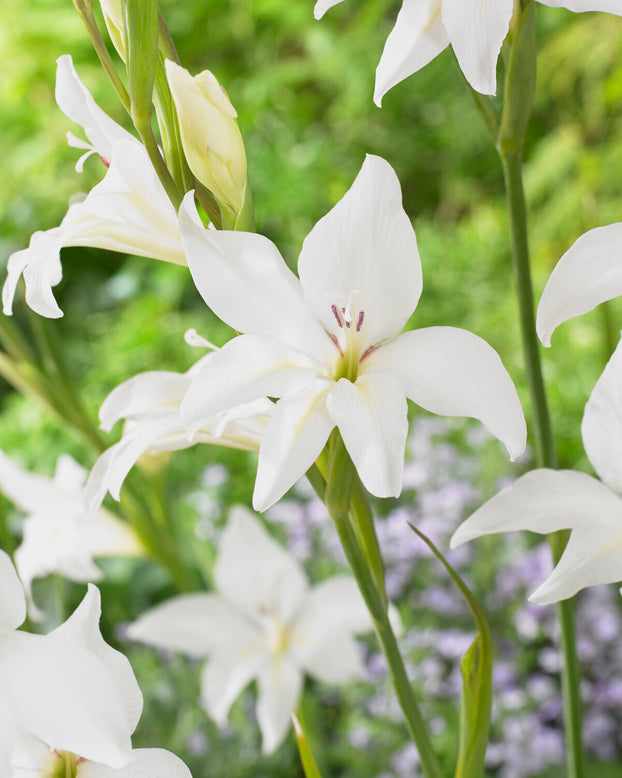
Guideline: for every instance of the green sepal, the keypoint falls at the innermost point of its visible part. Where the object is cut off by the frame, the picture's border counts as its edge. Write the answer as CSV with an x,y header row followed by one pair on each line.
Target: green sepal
x,y
520,81
141,48
476,669
245,220
309,765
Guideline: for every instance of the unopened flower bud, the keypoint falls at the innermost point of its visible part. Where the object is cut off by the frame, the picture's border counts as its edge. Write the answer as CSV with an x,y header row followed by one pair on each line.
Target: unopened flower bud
x,y
113,17
209,134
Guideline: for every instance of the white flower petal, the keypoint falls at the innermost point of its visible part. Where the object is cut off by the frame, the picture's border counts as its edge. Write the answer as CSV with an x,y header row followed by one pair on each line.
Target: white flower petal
x,y
40,265
82,628
245,281
321,639
544,501
363,254
476,29
336,661
371,415
76,102
66,696
255,573
602,424
227,673
292,441
608,6
111,468
8,735
196,624
146,395
419,35
128,211
32,492
280,686
322,6
453,372
145,763
245,368
13,601
589,273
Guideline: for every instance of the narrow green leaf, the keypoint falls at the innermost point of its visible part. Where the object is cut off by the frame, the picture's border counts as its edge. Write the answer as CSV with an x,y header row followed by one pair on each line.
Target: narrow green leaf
x,y
306,757
476,668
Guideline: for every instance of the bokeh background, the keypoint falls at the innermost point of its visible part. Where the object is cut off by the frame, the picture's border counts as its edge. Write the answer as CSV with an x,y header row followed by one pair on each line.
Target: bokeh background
x,y
303,91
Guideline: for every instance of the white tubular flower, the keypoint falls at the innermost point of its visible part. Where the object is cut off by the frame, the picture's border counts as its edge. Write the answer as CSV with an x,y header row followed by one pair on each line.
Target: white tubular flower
x,y
549,500
210,134
150,404
588,274
75,695
329,345
475,29
128,211
265,623
33,755
58,534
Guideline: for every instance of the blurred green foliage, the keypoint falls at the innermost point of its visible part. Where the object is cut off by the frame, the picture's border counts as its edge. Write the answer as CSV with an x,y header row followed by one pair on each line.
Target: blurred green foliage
x,y
303,93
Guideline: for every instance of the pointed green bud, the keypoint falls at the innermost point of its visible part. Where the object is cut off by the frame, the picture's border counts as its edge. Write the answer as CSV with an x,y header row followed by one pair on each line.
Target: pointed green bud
x,y
140,19
113,18
306,757
210,137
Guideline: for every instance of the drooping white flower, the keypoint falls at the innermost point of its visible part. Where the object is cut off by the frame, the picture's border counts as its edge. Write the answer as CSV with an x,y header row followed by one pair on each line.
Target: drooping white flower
x,y
329,345
266,624
475,29
58,534
150,404
33,755
549,500
128,211
589,273
58,689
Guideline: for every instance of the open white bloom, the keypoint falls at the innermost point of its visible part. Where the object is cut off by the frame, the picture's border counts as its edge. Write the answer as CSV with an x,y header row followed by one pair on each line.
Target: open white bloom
x,y
329,345
475,29
150,404
58,534
589,273
266,624
128,211
57,689
549,500
33,756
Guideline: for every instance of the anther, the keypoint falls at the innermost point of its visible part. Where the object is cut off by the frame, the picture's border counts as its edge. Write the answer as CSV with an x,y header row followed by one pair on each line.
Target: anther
x,y
337,315
359,323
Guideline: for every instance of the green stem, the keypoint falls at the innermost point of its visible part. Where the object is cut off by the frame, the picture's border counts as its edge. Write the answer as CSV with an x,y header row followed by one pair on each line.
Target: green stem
x,y
337,497
85,9
543,432
520,80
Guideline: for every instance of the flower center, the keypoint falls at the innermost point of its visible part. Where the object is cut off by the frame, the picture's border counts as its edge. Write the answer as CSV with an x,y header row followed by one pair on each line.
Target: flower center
x,y
64,765
349,341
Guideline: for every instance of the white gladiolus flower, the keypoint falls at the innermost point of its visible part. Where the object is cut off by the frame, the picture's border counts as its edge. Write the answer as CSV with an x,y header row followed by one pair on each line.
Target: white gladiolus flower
x,y
265,624
73,695
328,345
58,534
475,29
34,755
549,500
128,211
150,404
588,274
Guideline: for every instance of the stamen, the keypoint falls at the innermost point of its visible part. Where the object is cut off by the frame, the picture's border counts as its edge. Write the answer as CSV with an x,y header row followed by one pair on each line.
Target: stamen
x,y
336,342
337,315
359,323
347,316
367,352
105,161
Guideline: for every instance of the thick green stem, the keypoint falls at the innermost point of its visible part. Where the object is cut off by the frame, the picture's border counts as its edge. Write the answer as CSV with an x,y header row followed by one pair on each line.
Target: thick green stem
x,y
543,432
338,496
519,88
